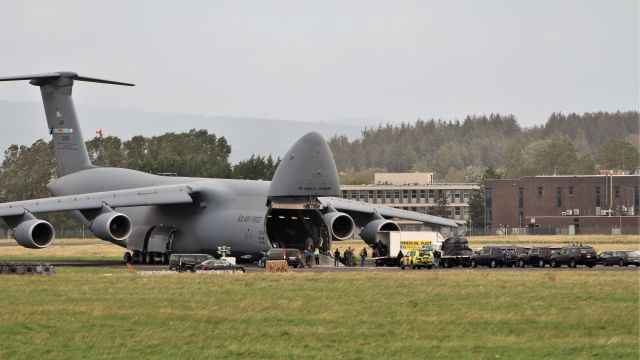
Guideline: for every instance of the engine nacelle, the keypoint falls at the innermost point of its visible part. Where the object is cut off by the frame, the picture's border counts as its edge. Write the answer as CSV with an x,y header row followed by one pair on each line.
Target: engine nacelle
x,y
370,231
111,226
340,224
34,234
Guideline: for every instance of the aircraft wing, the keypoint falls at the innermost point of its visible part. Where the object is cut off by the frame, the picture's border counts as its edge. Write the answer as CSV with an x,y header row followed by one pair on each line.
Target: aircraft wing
x,y
155,195
356,207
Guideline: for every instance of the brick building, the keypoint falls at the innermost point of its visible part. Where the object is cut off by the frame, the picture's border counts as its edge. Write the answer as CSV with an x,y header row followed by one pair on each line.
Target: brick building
x,y
565,204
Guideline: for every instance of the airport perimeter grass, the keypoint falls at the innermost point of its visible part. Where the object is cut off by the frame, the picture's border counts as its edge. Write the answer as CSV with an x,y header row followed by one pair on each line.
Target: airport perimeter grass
x,y
112,314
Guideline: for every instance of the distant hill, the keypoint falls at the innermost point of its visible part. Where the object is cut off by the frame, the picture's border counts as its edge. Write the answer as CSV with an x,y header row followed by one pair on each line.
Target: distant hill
x,y
24,122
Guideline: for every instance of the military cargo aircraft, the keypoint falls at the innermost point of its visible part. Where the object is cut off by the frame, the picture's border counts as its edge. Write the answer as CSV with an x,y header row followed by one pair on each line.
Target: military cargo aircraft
x,y
153,216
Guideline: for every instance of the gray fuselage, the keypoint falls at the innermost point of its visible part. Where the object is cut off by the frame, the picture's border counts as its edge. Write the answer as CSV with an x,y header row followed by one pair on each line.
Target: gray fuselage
x,y
224,213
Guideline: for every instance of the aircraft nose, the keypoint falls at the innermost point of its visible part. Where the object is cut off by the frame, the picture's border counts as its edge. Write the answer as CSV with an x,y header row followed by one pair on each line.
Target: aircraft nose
x,y
313,139
307,169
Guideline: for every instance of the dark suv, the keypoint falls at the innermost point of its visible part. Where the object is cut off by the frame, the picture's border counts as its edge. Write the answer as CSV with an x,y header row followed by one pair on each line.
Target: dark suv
x,y
291,255
574,256
620,258
492,256
537,256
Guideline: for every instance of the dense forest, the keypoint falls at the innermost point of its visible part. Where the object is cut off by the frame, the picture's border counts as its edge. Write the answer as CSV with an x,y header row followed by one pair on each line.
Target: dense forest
x,y
455,151
460,151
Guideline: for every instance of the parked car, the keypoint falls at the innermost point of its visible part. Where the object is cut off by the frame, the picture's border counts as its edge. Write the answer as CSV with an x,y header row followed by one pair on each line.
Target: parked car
x,y
620,258
292,256
538,256
218,264
492,256
417,259
188,262
573,256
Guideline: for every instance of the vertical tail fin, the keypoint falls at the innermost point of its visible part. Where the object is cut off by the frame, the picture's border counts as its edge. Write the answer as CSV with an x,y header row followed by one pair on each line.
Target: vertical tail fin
x,y
62,121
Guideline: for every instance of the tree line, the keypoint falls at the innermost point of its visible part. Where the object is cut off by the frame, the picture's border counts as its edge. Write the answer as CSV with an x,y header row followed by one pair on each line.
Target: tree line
x,y
460,151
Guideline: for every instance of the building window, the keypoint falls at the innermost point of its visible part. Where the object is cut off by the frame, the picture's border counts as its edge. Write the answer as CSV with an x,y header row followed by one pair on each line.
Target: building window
x,y
344,194
521,198
370,194
540,191
413,194
457,209
396,194
636,201
354,194
378,194
559,198
361,194
598,197
423,194
405,194
617,191
570,190
465,194
487,203
431,194
387,194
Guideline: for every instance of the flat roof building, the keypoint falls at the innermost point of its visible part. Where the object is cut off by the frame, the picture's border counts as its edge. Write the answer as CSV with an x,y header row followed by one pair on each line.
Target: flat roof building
x,y
414,192
590,204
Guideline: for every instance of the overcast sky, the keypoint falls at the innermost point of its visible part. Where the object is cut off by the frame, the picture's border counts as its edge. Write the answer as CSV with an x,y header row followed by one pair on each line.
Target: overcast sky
x,y
329,60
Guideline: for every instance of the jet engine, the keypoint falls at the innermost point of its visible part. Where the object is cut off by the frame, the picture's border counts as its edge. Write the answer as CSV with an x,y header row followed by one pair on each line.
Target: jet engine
x,y
340,224
111,226
369,232
34,234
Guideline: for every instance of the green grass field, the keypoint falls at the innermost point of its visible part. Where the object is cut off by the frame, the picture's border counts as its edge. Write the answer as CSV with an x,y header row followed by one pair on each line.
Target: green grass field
x,y
113,314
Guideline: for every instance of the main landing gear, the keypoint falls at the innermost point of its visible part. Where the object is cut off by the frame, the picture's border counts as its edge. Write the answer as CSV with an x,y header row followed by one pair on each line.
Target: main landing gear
x,y
139,257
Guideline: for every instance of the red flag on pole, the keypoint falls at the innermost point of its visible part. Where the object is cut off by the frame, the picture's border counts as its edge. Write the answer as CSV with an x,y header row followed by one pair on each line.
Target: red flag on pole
x,y
100,133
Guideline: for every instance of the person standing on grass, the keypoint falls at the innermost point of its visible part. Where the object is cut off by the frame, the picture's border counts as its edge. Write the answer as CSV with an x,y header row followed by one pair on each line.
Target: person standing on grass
x,y
336,257
316,255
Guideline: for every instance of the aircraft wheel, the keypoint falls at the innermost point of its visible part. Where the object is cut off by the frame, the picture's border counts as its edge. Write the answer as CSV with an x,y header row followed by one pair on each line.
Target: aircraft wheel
x,y
127,258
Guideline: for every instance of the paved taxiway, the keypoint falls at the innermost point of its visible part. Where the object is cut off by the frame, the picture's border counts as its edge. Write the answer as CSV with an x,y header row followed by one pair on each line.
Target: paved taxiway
x,y
327,269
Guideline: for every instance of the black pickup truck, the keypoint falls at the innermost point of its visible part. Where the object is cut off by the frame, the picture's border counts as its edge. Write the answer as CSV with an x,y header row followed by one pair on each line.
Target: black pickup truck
x,y
456,252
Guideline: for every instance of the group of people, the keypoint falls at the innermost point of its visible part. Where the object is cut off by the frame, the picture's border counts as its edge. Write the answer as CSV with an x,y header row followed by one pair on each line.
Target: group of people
x,y
309,255
349,256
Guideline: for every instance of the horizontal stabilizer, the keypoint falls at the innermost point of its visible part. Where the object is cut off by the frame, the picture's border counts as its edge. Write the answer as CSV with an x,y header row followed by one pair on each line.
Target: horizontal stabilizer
x,y
40,79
